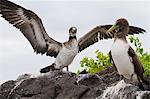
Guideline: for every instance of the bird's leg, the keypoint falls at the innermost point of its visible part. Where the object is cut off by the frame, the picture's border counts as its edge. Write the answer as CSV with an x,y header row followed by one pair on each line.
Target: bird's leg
x,y
67,68
121,77
69,73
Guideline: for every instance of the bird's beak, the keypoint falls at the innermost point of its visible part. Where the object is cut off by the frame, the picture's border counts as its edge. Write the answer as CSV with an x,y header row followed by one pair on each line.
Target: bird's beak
x,y
113,29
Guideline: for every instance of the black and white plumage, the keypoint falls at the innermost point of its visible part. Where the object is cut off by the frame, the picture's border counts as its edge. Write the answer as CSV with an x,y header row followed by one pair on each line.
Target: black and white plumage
x,y
32,28
124,58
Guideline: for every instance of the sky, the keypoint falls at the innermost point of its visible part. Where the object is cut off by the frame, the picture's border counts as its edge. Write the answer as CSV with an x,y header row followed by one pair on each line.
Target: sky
x,y
17,56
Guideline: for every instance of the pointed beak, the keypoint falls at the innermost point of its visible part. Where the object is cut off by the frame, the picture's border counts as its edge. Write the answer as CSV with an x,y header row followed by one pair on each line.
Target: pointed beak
x,y
113,29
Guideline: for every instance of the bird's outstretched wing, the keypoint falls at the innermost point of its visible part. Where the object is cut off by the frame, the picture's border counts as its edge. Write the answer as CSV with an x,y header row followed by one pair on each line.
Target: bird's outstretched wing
x,y
135,30
31,26
93,36
99,33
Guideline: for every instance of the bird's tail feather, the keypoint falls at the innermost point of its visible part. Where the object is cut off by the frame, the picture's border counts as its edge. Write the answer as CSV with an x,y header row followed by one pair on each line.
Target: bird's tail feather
x,y
48,68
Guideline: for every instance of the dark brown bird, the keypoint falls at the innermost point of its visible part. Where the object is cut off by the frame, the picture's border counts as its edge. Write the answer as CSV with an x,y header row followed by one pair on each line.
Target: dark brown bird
x,y
32,28
124,58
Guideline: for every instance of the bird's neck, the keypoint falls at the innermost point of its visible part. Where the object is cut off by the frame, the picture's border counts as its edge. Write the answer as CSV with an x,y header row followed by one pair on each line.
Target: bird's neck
x,y
72,37
72,42
122,37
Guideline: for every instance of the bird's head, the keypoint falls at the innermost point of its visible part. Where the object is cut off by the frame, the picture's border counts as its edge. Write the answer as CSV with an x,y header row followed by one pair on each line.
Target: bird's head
x,y
120,28
72,31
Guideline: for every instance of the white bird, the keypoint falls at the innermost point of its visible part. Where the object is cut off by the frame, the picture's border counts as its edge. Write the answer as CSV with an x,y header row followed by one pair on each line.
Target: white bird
x,y
124,58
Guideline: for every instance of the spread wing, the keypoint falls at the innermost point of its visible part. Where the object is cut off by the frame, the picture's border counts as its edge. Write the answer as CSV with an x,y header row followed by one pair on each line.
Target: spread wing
x,y
139,69
93,36
135,30
99,33
31,26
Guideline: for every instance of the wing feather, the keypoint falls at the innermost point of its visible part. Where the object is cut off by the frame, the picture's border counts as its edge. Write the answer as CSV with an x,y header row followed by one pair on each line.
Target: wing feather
x,y
93,36
135,30
138,66
99,33
31,26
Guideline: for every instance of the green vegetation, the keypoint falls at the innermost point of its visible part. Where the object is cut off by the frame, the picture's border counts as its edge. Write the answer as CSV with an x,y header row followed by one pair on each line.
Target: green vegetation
x,y
102,61
93,66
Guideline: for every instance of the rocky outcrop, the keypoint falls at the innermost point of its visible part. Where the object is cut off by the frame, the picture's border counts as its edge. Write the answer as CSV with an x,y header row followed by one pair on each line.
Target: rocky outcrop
x,y
66,85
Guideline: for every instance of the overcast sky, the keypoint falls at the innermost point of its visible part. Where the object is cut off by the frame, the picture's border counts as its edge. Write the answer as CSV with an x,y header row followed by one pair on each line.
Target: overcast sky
x,y
17,56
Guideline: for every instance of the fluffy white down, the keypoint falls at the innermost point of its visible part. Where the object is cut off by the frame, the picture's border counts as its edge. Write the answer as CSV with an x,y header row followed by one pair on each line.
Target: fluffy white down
x,y
66,56
122,60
